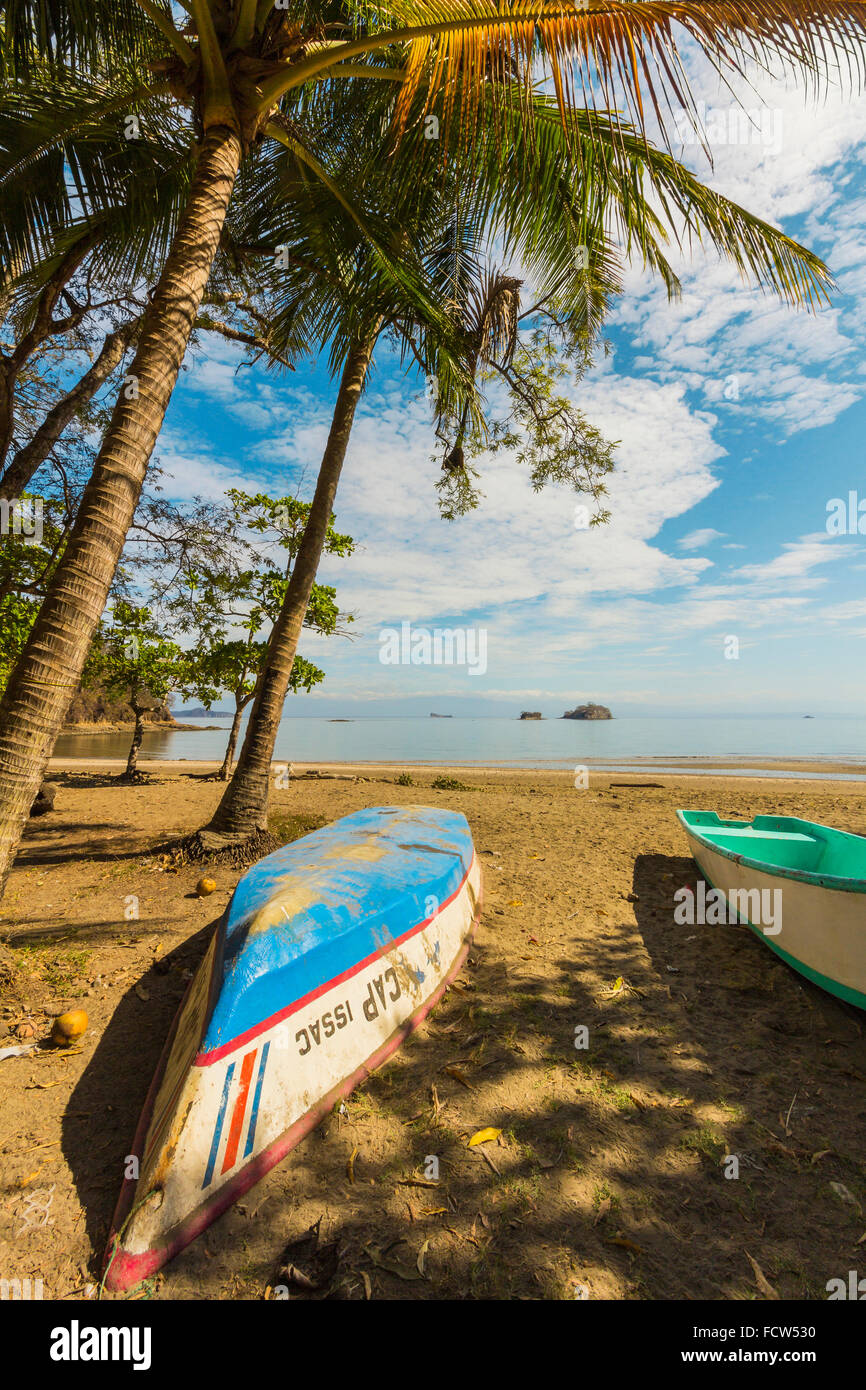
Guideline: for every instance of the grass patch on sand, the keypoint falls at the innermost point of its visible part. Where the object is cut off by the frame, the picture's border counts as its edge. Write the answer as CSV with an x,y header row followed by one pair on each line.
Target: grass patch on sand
x,y
57,969
287,828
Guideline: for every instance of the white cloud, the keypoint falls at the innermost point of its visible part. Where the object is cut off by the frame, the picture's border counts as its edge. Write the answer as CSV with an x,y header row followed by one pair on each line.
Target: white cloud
x,y
695,539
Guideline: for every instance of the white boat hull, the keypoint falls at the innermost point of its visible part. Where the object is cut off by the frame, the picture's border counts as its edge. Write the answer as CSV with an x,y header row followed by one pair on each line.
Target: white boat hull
x,y
821,931
215,1122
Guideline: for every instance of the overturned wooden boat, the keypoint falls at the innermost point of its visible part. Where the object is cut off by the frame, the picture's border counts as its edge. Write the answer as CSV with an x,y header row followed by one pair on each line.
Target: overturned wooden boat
x,y
330,952
801,887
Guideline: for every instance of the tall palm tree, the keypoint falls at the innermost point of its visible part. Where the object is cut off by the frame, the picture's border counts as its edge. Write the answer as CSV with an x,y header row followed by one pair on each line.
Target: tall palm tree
x,y
86,213
564,191
242,67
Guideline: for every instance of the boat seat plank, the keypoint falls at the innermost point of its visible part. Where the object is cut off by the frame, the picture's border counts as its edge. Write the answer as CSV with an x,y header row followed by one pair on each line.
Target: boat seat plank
x,y
748,833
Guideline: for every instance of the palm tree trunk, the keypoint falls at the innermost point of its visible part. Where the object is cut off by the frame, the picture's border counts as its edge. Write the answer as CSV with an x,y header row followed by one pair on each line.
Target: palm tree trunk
x,y
48,671
43,327
225,770
244,805
33,454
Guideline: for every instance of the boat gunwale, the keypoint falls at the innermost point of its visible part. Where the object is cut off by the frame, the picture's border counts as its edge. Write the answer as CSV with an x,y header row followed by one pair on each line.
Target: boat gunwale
x,y
833,882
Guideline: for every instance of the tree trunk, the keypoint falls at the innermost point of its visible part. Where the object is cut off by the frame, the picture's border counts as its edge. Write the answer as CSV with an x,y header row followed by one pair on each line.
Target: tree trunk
x,y
32,455
132,760
48,671
244,805
226,769
43,327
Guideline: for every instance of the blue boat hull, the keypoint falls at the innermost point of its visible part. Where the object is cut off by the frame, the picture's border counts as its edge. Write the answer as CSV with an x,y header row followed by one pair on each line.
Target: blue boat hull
x,y
330,952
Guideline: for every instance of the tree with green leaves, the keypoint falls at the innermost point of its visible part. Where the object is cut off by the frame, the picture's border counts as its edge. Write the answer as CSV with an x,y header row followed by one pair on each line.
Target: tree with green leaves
x,y
224,598
251,73
133,660
33,532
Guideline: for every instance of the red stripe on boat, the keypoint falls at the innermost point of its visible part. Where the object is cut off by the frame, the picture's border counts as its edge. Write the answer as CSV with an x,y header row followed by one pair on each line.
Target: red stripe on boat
x,y
237,1123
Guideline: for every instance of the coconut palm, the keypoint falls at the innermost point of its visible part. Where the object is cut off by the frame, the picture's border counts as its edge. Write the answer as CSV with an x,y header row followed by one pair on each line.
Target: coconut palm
x,y
578,193
243,67
87,213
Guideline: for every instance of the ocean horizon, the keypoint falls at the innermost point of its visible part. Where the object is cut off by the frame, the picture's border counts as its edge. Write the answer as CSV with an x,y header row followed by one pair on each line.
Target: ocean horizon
x,y
492,741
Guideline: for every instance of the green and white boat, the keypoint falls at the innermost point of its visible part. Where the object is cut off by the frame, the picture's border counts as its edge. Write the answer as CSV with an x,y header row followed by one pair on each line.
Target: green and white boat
x,y
811,878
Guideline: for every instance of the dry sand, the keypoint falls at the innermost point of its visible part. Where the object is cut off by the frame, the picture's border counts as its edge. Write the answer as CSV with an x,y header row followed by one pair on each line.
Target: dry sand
x,y
610,1173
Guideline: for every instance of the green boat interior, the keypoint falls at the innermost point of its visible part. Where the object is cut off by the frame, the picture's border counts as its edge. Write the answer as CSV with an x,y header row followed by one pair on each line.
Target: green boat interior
x,y
783,841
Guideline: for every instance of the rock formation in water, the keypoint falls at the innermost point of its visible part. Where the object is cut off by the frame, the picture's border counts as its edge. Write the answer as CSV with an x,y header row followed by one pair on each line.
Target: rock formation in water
x,y
588,712
530,714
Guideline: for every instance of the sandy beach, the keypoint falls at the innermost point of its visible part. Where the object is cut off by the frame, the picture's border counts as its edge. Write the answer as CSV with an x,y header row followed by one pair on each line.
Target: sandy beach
x,y
609,1175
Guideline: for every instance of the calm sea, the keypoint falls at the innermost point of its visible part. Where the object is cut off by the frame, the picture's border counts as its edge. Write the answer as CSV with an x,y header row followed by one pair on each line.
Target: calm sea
x,y
547,743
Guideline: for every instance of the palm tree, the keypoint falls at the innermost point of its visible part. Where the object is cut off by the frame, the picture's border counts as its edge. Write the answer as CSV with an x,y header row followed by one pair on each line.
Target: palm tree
x,y
244,69
576,191
86,214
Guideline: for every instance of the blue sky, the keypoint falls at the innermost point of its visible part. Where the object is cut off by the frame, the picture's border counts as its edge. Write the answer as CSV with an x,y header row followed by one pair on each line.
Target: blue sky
x,y
739,421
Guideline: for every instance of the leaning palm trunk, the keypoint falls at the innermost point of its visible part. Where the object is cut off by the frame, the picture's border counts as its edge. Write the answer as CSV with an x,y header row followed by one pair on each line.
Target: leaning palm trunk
x,y
48,671
225,771
30,457
44,326
244,806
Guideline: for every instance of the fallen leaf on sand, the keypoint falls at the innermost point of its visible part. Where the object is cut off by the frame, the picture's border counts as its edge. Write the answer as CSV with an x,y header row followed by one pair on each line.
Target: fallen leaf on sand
x,y
391,1267
350,1166
416,1182
483,1136
845,1194
603,1209
457,1074
821,1153
420,1261
763,1283
368,1287
515,902
298,1277
625,1244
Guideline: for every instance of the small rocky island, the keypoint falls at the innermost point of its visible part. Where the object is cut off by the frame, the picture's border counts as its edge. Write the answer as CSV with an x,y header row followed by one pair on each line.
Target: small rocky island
x,y
588,712
530,714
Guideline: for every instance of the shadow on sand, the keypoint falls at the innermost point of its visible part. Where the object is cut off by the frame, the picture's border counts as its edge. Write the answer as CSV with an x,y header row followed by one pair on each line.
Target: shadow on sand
x,y
611,1177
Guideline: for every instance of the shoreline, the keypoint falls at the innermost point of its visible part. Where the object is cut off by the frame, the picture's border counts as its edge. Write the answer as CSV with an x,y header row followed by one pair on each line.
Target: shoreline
x,y
746,768
150,726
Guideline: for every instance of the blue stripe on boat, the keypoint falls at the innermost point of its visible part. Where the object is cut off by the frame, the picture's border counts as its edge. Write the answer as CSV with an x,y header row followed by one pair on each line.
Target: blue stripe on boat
x,y
254,1113
315,909
218,1128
